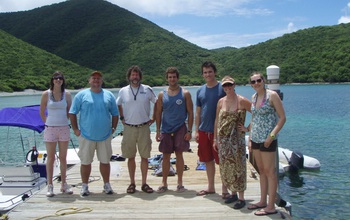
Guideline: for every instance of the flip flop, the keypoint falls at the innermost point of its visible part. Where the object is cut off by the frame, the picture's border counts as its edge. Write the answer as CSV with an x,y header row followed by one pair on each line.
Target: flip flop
x,y
204,192
255,206
262,212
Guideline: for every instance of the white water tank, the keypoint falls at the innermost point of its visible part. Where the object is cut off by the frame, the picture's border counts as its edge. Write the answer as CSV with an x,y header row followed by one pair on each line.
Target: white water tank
x,y
273,76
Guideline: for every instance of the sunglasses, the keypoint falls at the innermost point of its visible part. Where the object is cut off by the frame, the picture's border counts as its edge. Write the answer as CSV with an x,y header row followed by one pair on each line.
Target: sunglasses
x,y
227,85
255,81
58,77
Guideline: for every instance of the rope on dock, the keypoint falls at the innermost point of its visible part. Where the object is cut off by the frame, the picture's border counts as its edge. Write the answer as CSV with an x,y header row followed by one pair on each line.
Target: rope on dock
x,y
67,211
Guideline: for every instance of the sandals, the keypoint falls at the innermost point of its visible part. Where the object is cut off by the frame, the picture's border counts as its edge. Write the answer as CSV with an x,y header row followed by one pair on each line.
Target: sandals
x,y
146,188
180,189
225,195
131,189
162,189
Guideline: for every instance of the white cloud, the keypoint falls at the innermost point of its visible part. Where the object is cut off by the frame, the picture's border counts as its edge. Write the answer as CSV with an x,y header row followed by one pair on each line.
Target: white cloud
x,y
344,19
206,8
213,41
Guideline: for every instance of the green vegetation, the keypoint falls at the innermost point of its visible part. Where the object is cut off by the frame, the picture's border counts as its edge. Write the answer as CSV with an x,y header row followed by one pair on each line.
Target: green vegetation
x,y
79,36
23,66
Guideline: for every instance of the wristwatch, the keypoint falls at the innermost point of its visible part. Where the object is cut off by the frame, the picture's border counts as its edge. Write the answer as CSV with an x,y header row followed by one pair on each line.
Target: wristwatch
x,y
272,136
121,118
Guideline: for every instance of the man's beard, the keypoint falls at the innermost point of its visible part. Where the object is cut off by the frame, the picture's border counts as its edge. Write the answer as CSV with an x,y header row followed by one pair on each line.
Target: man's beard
x,y
135,81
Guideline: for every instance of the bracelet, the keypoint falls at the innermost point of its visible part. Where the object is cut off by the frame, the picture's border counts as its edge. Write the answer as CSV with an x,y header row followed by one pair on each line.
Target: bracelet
x,y
189,131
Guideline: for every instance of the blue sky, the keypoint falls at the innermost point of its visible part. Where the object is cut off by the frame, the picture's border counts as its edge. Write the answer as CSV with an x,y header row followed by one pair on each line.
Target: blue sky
x,y
213,24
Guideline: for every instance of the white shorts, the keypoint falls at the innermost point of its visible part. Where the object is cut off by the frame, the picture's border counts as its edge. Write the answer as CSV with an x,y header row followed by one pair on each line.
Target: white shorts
x,y
56,133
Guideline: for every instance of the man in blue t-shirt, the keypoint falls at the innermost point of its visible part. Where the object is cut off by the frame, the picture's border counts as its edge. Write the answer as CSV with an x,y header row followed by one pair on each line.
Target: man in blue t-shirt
x,y
98,120
208,96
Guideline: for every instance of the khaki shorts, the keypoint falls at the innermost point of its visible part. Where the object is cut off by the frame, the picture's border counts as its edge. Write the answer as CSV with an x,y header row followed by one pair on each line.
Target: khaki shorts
x,y
136,135
87,150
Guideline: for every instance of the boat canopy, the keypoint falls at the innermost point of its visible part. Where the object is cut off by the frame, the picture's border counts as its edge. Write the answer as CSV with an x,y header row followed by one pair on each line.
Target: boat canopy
x,y
25,117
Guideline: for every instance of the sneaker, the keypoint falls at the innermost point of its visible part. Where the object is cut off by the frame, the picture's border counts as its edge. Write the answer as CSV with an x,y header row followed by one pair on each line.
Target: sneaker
x,y
231,199
107,188
50,190
84,190
66,189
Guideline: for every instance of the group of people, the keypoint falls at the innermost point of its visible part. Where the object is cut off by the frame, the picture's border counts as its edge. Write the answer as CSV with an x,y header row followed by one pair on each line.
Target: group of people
x,y
219,131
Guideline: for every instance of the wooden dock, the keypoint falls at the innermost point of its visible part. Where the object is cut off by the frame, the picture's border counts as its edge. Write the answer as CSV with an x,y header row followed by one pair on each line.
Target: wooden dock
x,y
120,205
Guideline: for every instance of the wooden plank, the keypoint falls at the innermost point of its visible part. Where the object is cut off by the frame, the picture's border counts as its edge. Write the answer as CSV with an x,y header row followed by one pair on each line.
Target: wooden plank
x,y
120,205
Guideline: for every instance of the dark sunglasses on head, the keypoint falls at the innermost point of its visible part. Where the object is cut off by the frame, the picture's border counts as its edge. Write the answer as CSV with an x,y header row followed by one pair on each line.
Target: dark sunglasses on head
x,y
58,77
227,85
255,81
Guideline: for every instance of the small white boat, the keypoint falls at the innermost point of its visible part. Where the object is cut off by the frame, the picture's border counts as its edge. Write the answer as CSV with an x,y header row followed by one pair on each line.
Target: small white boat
x,y
20,182
295,158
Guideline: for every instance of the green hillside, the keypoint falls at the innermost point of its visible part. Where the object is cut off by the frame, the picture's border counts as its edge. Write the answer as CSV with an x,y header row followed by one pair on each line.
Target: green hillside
x,y
319,54
98,35
103,36
23,66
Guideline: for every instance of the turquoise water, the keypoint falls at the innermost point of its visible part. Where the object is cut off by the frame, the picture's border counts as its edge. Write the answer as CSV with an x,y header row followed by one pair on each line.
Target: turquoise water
x,y
318,125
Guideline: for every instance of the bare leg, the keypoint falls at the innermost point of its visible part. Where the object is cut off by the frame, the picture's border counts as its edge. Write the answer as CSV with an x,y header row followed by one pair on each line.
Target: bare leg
x,y
210,168
105,170
132,168
63,147
50,150
85,171
263,178
271,178
165,168
180,166
144,169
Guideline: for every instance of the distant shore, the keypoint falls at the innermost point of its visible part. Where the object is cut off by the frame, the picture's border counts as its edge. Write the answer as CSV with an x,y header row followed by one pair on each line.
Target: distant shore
x,y
37,92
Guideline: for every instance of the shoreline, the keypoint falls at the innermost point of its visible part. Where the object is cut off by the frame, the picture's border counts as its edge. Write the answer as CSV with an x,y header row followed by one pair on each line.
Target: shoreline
x,y
28,92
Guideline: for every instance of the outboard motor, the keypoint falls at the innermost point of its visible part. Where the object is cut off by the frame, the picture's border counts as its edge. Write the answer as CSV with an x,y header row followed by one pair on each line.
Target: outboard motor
x,y
297,159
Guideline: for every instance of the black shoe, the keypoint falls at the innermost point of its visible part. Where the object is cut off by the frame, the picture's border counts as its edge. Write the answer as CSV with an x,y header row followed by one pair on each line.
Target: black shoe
x,y
240,204
231,199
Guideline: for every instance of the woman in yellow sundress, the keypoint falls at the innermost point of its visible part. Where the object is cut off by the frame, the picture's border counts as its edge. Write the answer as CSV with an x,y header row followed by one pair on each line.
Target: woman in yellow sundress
x,y
229,139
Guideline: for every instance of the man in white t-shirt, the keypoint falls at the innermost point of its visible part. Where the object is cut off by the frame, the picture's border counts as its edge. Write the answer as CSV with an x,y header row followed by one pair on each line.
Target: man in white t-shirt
x,y
134,104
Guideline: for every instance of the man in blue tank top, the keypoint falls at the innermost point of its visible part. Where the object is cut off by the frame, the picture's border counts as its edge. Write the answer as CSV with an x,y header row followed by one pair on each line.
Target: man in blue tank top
x,y
174,106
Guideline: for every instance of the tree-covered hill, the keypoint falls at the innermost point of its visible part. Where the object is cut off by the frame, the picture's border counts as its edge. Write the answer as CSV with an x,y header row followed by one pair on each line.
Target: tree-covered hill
x,y
23,66
101,36
319,54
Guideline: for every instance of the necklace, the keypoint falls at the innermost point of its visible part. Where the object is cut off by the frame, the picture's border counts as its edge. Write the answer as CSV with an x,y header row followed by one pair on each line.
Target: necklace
x,y
262,101
54,99
138,88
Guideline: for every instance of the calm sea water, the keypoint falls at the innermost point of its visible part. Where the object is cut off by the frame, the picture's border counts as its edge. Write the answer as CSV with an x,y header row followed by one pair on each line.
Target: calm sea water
x,y
318,125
